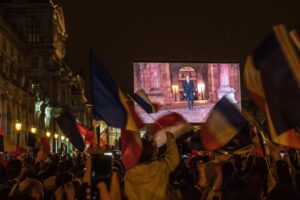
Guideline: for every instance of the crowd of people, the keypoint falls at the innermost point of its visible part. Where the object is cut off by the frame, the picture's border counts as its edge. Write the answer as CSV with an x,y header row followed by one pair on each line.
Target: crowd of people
x,y
174,173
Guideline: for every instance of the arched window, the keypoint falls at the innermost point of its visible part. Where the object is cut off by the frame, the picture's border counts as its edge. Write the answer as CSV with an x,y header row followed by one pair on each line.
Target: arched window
x,y
34,31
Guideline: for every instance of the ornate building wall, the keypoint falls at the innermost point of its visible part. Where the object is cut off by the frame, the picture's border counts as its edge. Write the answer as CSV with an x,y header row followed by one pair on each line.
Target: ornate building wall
x,y
36,82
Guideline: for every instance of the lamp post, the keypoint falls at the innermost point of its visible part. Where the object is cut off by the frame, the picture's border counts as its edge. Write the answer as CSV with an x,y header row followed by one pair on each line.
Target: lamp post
x,y
33,130
48,134
56,138
18,128
67,140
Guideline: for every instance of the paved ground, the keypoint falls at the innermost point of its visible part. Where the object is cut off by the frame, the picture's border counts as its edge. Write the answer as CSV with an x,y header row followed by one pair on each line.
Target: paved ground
x,y
197,115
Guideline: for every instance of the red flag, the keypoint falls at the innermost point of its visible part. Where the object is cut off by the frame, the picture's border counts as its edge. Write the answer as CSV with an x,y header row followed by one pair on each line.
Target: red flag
x,y
172,122
45,144
137,119
86,133
131,148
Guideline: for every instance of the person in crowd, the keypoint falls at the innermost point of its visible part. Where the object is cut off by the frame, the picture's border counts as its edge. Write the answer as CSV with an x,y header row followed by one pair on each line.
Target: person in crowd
x,y
31,187
14,174
149,179
189,92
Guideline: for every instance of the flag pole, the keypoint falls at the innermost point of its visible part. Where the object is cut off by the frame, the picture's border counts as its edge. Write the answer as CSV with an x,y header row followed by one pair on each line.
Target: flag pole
x,y
154,120
96,144
260,135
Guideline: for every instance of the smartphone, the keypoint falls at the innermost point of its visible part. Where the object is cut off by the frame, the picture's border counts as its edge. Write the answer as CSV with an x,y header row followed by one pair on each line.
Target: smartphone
x,y
101,172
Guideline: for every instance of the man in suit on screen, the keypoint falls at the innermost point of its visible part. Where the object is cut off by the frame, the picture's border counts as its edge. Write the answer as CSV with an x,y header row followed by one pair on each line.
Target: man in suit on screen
x,y
189,92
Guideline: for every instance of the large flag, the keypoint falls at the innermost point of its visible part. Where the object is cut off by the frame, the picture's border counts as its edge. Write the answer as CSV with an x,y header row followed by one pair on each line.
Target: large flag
x,y
131,148
225,128
109,103
67,124
272,77
131,145
171,122
142,99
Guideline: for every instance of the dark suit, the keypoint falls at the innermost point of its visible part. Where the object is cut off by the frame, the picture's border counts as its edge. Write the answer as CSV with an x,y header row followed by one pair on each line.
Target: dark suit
x,y
189,90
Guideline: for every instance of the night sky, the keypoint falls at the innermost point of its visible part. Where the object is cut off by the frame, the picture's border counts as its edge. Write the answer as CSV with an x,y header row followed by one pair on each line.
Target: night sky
x,y
121,32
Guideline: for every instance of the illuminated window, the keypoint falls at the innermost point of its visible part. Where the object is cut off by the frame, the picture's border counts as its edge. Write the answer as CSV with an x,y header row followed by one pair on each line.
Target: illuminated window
x,y
34,31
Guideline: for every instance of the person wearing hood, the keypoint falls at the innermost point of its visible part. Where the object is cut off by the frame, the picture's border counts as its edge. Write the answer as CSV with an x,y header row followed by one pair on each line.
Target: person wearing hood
x,y
149,179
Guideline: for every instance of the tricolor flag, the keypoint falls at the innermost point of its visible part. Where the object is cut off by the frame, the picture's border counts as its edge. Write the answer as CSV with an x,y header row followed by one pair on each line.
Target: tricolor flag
x,y
141,98
112,106
131,145
109,103
67,124
225,128
172,122
86,133
272,77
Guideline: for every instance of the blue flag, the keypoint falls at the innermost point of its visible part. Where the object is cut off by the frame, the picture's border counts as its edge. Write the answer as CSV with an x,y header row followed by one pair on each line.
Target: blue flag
x,y
107,105
67,124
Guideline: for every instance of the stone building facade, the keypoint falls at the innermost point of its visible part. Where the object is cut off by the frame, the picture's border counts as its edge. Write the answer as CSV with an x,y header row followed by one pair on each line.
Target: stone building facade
x,y
36,81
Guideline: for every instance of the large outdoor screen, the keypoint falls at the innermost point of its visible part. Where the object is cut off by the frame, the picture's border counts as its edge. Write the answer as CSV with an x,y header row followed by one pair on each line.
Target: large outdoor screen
x,y
190,89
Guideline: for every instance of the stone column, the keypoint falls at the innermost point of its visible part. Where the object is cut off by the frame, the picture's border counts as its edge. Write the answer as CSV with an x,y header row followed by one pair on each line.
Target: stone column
x,y
225,88
165,81
213,82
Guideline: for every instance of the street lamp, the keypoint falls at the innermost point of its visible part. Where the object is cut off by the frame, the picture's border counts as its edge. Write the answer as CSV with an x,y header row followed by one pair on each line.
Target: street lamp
x,y
48,134
33,130
56,138
18,128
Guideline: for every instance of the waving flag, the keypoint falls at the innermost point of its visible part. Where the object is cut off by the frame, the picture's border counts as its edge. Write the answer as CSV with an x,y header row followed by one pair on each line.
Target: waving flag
x,y
131,145
67,124
272,76
141,98
225,128
109,103
86,133
172,122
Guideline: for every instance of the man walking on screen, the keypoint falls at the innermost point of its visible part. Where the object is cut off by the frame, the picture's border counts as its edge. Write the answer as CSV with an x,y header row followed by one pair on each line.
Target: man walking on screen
x,y
189,92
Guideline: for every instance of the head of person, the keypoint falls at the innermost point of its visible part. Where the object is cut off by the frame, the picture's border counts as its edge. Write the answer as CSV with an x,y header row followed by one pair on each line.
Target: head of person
x,y
32,187
2,173
29,171
282,192
149,150
233,189
14,169
187,78
227,169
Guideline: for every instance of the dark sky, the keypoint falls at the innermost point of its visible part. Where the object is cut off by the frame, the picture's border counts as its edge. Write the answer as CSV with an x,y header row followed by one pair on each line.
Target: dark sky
x,y
180,30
